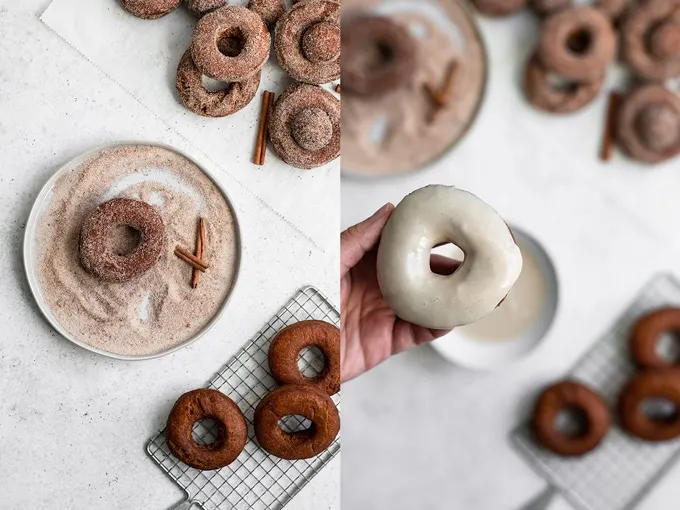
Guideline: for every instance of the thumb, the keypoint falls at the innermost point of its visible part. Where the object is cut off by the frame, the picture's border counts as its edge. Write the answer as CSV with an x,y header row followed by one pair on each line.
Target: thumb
x,y
359,239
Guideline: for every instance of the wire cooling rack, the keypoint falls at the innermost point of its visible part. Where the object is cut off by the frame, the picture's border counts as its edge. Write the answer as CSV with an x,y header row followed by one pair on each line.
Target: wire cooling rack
x,y
256,480
617,474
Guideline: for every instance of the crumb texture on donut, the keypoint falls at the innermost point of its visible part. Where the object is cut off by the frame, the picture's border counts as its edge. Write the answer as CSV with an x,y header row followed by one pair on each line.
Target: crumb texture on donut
x,y
202,7
150,9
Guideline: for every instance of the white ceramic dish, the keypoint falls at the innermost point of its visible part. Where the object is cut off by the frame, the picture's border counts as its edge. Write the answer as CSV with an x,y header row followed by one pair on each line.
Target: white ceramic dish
x,y
492,354
31,252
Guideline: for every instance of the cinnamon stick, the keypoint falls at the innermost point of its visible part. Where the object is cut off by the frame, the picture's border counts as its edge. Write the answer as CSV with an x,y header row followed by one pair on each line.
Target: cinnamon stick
x,y
200,250
265,129
610,126
442,98
260,131
190,259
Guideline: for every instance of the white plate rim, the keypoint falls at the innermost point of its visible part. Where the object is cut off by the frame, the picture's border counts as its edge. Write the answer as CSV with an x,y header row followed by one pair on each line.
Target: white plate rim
x,y
31,224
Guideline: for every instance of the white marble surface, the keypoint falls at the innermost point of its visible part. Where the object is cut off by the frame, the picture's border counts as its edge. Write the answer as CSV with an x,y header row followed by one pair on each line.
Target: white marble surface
x,y
73,425
422,433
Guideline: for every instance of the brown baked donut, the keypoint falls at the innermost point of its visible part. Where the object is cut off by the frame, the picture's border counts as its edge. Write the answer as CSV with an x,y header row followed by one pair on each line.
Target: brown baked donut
x,y
379,55
651,43
269,10
246,35
150,9
208,103
577,43
651,384
95,253
570,395
499,7
202,7
553,97
206,404
613,9
646,333
293,400
304,126
287,344
648,124
546,7
307,41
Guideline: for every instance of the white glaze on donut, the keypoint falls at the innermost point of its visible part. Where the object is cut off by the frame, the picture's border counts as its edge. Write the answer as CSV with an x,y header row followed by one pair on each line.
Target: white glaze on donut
x,y
432,216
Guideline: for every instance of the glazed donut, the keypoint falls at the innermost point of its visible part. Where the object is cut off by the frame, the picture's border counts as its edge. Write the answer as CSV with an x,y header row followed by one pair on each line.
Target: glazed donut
x,y
431,216
648,124
287,344
545,94
208,103
304,126
577,43
651,40
646,333
269,10
379,55
150,9
202,7
206,404
499,7
651,384
307,41
95,254
564,396
292,400
240,26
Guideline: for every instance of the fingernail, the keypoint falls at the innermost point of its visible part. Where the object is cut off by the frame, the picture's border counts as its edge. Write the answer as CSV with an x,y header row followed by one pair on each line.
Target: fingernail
x,y
382,211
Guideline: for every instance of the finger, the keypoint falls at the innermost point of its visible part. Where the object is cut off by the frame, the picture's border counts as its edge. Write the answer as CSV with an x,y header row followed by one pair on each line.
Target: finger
x,y
357,240
443,265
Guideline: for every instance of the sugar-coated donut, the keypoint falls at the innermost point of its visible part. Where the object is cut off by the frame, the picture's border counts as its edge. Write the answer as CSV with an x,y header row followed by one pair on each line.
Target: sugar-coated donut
x,y
202,7
435,215
547,7
646,333
294,400
287,344
95,254
150,9
499,7
206,404
269,10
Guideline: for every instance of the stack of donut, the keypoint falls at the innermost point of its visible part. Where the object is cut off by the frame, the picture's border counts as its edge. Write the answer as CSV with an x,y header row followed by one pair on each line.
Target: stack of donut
x,y
655,379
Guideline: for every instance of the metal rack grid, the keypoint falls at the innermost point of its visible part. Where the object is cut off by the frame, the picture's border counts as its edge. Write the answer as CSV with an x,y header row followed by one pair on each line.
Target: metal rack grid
x,y
617,474
255,480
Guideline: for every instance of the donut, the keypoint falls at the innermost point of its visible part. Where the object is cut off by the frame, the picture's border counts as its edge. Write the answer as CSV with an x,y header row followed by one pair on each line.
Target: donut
x,y
202,7
499,7
553,97
246,37
307,41
651,40
208,103
613,9
646,333
546,7
287,344
379,55
150,9
432,216
650,384
577,43
570,395
97,257
304,126
206,404
269,10
295,400
648,124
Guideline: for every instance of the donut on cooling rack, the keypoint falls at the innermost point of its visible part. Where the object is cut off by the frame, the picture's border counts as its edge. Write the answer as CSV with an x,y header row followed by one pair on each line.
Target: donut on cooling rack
x,y
565,396
96,255
499,7
230,44
269,10
307,41
202,7
648,124
545,93
646,333
427,218
379,55
150,9
293,400
577,43
304,126
287,344
218,103
645,386
206,404
651,40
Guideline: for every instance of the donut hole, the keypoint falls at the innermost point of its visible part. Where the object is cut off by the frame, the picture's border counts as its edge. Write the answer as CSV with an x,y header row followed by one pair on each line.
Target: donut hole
x,y
579,41
231,42
206,432
312,362
668,347
377,56
572,421
659,409
123,240
445,259
295,424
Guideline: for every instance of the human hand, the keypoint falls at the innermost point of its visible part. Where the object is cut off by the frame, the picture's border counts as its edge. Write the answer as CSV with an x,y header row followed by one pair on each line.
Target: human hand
x,y
370,331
